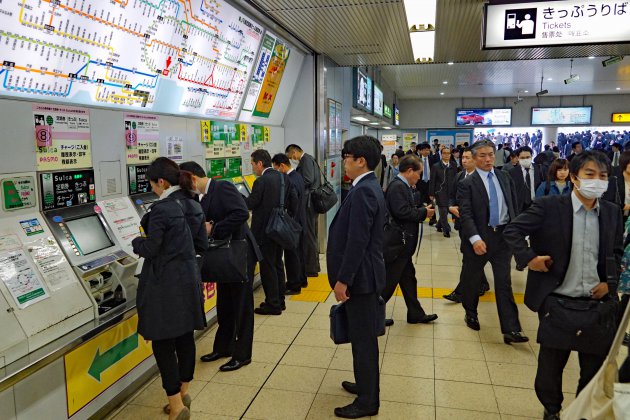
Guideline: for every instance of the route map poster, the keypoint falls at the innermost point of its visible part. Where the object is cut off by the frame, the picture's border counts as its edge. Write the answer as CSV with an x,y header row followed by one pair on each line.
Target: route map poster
x,y
62,137
272,81
142,138
21,279
190,57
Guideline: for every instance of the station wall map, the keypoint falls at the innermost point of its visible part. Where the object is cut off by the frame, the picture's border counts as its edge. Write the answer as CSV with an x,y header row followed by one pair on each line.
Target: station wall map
x,y
174,56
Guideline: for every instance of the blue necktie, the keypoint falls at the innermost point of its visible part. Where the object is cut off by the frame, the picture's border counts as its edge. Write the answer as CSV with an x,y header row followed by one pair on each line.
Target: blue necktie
x,y
494,202
425,171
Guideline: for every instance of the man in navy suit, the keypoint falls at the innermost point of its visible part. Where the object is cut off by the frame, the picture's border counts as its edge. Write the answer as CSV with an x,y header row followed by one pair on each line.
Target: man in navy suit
x,y
356,269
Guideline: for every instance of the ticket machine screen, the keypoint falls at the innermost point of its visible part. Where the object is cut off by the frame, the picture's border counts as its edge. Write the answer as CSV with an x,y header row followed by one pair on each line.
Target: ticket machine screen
x,y
242,189
89,234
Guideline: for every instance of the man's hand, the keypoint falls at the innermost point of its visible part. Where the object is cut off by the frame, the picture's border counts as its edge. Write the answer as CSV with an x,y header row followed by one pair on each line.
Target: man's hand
x,y
626,207
480,247
454,210
431,197
341,292
209,228
540,263
599,291
430,211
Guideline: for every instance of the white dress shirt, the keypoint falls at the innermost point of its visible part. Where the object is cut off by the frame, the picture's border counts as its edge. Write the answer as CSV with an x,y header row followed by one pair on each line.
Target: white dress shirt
x,y
504,216
531,180
360,177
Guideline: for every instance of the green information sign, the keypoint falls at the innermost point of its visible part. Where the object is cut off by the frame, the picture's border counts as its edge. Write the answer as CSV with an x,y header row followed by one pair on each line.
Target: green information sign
x,y
387,111
18,193
216,168
234,167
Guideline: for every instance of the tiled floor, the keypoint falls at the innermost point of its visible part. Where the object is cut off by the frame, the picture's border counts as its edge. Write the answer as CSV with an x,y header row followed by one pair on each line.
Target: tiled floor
x,y
439,371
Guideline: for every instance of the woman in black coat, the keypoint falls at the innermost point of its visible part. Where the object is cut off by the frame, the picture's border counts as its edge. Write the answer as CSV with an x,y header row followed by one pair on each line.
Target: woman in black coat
x,y
169,299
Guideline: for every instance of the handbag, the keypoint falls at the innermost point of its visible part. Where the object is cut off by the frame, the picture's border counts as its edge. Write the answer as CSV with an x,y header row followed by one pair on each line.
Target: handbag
x,y
281,228
604,397
339,329
324,197
225,261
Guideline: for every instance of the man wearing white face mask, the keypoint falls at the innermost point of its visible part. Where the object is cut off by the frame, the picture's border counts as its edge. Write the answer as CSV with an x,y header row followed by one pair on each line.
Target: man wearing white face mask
x,y
527,177
574,259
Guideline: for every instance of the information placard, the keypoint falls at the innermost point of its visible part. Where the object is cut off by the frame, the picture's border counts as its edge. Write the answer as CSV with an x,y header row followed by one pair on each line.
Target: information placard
x,y
67,189
18,193
142,138
20,278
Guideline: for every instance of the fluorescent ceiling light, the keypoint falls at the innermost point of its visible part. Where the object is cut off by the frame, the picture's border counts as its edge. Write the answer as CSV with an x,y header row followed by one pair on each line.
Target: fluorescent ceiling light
x,y
550,79
420,12
373,123
441,93
360,119
445,82
387,128
526,91
450,63
423,45
618,88
592,57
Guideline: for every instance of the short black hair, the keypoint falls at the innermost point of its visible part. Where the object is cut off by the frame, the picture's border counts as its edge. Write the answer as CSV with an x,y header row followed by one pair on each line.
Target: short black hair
x,y
578,161
524,149
575,144
466,144
292,147
624,160
617,145
261,155
281,158
409,161
547,147
423,146
466,149
555,149
194,168
366,147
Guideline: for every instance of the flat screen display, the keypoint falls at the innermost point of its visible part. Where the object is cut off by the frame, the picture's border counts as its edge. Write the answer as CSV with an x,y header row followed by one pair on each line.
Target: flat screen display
x,y
242,189
138,181
378,101
577,115
484,117
396,115
89,234
66,189
362,91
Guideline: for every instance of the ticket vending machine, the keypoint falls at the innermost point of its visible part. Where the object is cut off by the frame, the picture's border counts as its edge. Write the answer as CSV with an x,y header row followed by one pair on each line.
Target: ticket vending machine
x,y
140,192
70,209
41,299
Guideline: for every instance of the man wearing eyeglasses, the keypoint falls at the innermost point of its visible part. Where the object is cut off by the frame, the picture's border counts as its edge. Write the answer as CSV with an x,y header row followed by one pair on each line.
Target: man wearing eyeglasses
x,y
356,270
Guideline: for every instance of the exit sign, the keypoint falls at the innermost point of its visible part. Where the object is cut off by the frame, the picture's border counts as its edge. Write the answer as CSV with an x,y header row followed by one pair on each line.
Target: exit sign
x,y
621,118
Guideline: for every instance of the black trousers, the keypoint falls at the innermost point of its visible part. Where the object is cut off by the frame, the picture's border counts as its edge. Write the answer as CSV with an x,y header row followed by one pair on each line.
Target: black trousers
x,y
551,363
362,313
270,266
443,219
499,255
402,271
310,244
235,316
175,359
294,264
462,278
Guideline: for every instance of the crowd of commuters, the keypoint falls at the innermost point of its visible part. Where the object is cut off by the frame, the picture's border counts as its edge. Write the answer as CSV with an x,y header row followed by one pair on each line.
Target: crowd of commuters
x,y
502,205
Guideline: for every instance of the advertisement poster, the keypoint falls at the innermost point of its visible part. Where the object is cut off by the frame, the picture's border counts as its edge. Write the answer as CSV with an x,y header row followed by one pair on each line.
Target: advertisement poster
x,y
484,116
409,138
18,193
257,135
123,220
332,128
20,278
389,144
175,148
51,263
448,137
142,138
258,76
272,81
62,137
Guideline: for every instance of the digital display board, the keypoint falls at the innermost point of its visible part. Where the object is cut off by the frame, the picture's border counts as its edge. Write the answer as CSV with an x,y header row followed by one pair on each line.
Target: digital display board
x,y
138,181
66,189
363,91
484,117
189,57
396,115
577,115
378,101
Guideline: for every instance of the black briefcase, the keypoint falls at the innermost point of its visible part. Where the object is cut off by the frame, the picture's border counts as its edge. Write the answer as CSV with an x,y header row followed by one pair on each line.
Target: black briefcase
x,y
339,330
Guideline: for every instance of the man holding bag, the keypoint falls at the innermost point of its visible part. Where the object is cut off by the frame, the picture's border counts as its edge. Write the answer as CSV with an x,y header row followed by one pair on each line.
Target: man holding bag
x,y
574,267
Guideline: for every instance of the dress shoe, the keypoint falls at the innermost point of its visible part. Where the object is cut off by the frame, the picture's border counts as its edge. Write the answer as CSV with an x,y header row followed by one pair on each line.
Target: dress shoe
x,y
453,297
290,292
515,337
312,274
484,289
439,229
424,320
447,234
350,387
282,305
185,399
352,411
211,357
389,322
267,310
551,416
234,364
472,322
432,222
304,284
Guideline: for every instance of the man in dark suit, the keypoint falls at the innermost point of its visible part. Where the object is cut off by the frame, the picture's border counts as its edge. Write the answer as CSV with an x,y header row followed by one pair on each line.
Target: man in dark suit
x,y
293,258
576,149
442,177
265,196
356,270
468,165
310,171
226,213
527,177
402,209
424,150
574,259
487,204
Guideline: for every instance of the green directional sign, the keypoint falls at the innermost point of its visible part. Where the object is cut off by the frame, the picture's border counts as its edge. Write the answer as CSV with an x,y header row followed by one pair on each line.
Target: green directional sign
x,y
104,361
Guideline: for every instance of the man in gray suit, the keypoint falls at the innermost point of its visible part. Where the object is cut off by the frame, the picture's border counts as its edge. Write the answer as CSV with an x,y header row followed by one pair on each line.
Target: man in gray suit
x,y
310,171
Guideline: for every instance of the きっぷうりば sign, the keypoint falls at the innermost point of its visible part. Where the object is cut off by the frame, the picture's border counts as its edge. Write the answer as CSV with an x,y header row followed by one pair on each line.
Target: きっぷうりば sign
x,y
556,23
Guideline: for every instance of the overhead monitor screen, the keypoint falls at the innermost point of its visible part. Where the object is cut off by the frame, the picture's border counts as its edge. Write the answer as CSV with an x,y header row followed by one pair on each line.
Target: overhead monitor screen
x,y
378,101
484,117
242,189
89,234
362,91
579,115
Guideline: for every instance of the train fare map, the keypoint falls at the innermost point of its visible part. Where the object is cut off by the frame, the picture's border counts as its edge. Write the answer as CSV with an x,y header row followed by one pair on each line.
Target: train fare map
x,y
174,56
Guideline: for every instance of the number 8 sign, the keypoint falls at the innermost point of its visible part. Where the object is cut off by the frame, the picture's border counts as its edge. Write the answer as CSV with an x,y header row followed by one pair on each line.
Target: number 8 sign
x,y
43,135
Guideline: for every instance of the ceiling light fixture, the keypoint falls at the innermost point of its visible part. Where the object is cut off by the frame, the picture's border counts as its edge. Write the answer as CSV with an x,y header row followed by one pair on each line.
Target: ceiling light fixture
x,y
450,63
421,25
387,128
572,77
526,91
542,92
445,82
592,57
442,93
362,119
618,88
549,79
374,123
